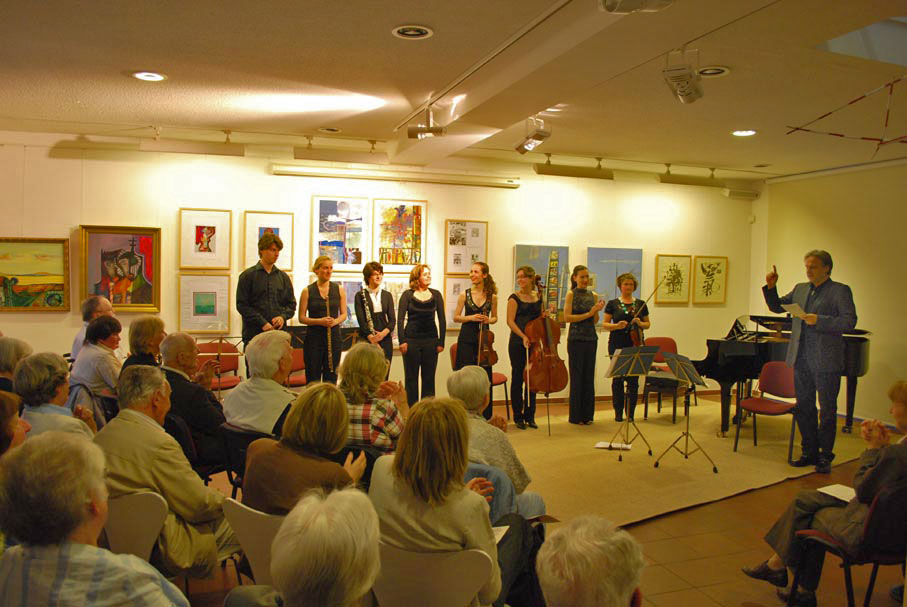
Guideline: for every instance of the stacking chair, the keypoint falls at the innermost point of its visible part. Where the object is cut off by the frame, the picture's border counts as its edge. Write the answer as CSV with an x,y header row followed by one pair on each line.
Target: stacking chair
x,y
497,379
444,579
777,379
255,531
297,379
662,381
228,364
134,523
177,427
236,443
884,540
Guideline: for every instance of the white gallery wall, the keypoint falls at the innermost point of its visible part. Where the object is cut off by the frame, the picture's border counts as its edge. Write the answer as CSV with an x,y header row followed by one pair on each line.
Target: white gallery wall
x,y
49,192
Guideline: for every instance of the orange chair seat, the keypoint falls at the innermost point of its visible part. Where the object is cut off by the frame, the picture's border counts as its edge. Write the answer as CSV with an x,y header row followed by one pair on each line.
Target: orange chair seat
x,y
766,406
498,379
294,381
225,382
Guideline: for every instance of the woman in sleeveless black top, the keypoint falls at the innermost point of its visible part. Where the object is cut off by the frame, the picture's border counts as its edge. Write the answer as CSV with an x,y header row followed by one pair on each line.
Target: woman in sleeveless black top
x,y
618,314
581,311
522,306
375,311
322,308
421,340
477,306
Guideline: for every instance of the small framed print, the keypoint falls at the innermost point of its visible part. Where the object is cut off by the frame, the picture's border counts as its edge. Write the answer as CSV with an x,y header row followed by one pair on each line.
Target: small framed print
x,y
34,275
204,303
340,230
204,242
672,275
399,234
709,279
395,285
454,286
124,265
258,223
465,242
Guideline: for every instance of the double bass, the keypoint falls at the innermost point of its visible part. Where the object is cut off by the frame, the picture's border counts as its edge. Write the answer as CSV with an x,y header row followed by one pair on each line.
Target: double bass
x,y
546,371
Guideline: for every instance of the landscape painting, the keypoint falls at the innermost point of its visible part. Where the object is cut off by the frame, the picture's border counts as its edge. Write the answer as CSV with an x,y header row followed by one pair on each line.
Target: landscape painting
x,y
123,265
34,274
399,234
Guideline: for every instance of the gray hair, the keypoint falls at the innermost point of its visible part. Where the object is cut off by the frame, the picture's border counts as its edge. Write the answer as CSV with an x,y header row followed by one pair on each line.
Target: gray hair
x,y
137,384
44,486
174,345
264,352
823,256
589,563
12,350
90,305
470,384
38,377
325,553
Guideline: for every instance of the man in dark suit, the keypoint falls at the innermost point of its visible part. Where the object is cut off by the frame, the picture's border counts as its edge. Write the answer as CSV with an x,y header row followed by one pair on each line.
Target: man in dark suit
x,y
191,397
816,352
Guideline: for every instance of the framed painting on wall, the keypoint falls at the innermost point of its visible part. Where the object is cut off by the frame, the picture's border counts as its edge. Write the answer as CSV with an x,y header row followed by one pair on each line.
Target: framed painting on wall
x,y
349,284
453,287
552,264
34,275
204,303
395,285
606,264
258,223
339,230
204,242
672,275
399,234
709,279
124,265
465,242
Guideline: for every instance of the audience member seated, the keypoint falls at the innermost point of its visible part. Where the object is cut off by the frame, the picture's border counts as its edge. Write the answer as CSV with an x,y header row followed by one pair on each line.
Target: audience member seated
x,y
261,403
488,444
142,457
12,350
325,553
42,380
93,307
377,408
97,366
881,464
191,397
424,506
13,428
590,563
145,336
53,500
279,472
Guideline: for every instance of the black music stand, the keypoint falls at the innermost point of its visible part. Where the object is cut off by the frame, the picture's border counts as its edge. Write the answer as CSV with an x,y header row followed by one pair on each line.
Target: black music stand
x,y
686,373
628,362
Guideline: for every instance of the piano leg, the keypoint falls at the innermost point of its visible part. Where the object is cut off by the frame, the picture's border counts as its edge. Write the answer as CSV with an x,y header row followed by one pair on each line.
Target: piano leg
x,y
851,401
725,404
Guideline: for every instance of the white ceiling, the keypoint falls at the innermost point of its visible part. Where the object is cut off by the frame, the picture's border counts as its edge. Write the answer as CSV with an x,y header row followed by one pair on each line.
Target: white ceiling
x,y
64,67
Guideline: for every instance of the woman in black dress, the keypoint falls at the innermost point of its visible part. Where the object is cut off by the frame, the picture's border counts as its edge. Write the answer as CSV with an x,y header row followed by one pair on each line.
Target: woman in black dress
x,y
581,309
477,306
145,336
322,308
421,340
375,311
619,314
522,306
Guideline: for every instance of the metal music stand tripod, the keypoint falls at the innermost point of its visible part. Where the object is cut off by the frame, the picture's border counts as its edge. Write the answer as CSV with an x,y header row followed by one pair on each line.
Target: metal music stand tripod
x,y
628,362
686,373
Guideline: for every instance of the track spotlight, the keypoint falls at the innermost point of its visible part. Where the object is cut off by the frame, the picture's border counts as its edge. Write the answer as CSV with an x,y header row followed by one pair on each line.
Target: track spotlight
x,y
534,137
428,129
624,7
682,78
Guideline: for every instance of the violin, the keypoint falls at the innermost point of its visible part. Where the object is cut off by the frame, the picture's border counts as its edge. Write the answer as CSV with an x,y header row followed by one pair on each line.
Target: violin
x,y
546,371
634,330
487,356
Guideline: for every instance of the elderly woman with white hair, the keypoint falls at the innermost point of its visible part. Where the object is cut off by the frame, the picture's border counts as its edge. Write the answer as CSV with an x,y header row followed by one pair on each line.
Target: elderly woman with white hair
x,y
325,554
261,403
12,350
53,501
42,381
487,443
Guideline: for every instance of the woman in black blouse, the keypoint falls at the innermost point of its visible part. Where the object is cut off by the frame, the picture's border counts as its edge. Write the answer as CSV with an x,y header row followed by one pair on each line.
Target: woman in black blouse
x,y
475,307
420,339
619,314
322,308
581,309
375,311
522,306
145,336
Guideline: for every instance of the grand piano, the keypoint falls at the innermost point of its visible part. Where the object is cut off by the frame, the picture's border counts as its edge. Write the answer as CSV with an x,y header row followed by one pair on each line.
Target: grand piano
x,y
756,340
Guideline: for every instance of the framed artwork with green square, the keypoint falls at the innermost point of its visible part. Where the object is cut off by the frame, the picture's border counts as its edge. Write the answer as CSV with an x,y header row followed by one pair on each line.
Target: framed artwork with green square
x,y
204,303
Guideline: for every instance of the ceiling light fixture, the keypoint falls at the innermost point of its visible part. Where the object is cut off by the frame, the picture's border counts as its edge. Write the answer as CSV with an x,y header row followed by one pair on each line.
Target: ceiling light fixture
x,y
149,76
331,130
208,148
625,7
743,133
412,32
714,71
426,129
536,134
682,79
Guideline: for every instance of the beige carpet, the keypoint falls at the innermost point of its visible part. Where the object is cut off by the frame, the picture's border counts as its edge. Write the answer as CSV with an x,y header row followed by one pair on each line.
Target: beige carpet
x,y
575,479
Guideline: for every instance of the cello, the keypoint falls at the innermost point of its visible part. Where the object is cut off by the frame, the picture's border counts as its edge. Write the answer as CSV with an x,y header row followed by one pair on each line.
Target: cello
x,y
545,371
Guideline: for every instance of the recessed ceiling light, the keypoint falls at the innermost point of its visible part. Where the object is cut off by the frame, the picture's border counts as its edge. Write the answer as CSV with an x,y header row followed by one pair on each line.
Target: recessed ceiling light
x,y
329,129
149,76
413,32
761,166
743,133
714,71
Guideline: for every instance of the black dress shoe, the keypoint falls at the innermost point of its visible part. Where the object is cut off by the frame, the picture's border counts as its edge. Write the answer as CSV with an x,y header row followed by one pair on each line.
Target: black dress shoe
x,y
763,572
521,425
533,425
618,418
823,466
803,598
803,462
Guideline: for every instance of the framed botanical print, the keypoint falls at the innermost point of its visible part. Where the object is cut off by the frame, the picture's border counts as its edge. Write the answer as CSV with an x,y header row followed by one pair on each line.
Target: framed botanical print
x,y
204,303
258,223
465,242
340,230
454,286
399,233
124,265
204,241
34,275
710,279
672,275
